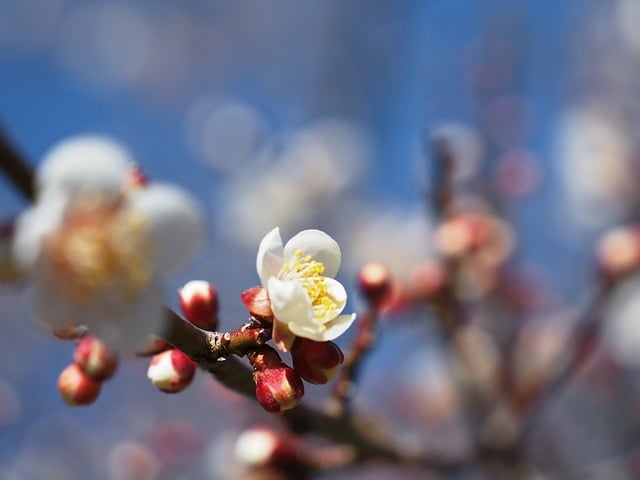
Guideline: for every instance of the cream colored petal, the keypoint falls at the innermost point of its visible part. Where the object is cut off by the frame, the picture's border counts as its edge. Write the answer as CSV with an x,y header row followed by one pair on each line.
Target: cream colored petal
x,y
324,333
320,246
89,164
176,225
338,326
125,326
289,301
32,228
337,294
269,258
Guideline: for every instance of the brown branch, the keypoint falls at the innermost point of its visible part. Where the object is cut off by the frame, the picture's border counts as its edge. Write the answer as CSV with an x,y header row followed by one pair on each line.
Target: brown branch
x,y
19,173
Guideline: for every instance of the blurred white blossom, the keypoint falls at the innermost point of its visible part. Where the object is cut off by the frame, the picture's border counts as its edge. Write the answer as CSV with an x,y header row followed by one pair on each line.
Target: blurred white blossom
x,y
96,249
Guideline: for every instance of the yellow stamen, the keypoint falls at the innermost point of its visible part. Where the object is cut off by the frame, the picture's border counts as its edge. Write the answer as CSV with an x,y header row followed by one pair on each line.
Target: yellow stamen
x,y
100,248
309,272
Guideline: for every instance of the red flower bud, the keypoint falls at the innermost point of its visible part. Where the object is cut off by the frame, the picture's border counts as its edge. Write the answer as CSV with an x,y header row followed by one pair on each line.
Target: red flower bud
x,y
279,388
316,362
374,281
257,302
199,302
77,388
95,358
171,371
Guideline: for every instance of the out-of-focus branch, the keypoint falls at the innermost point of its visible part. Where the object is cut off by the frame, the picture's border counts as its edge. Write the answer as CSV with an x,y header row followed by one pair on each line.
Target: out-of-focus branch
x,y
17,171
585,334
344,388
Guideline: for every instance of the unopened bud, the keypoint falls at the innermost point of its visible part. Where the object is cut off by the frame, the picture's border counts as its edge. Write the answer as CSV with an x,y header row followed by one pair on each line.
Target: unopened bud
x,y
171,371
199,302
460,235
135,178
316,362
95,358
76,387
264,447
257,302
428,279
374,281
618,251
279,388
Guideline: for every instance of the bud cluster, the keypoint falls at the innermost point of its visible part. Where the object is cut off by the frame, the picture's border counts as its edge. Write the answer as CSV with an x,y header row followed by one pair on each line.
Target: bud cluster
x,y
278,386
170,370
93,363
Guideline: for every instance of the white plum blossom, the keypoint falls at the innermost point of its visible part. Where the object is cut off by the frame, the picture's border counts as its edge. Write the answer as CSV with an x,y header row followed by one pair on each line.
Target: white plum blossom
x,y
96,247
305,298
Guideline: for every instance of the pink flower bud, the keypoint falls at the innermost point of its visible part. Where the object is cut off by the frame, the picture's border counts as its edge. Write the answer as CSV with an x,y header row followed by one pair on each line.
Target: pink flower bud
x,y
428,279
279,388
374,281
76,387
257,302
95,358
199,302
618,251
171,371
265,447
316,362
135,178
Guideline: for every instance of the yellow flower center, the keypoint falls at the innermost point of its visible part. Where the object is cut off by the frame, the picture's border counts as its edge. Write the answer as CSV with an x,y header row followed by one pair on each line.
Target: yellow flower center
x,y
99,247
309,272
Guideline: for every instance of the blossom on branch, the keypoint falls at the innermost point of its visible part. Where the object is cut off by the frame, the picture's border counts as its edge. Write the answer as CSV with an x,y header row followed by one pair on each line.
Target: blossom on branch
x,y
96,245
305,298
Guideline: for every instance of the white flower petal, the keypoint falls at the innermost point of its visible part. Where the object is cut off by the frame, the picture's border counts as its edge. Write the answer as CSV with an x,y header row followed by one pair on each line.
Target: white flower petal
x,y
269,258
310,331
319,333
126,326
176,225
289,301
33,226
338,326
84,164
320,246
337,294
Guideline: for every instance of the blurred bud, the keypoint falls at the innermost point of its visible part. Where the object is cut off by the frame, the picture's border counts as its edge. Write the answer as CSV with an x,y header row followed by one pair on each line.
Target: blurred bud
x,y
199,302
77,388
618,251
374,281
457,236
135,178
171,371
428,279
264,447
153,346
316,362
257,302
95,358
